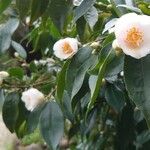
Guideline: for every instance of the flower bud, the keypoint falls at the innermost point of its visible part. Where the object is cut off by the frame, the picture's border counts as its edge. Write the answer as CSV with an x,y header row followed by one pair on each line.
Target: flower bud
x,y
42,62
36,62
109,7
3,75
95,45
122,73
116,47
32,98
16,54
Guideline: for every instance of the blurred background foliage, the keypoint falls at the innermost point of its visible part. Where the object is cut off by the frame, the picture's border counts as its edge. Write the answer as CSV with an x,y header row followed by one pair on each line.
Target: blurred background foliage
x,y
92,109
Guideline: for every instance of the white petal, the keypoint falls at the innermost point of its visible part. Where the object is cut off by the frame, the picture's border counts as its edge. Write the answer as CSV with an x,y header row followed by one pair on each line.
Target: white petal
x,y
32,98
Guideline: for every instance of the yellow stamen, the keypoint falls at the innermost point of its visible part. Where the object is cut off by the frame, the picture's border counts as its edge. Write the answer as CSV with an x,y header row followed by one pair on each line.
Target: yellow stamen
x,y
67,49
134,38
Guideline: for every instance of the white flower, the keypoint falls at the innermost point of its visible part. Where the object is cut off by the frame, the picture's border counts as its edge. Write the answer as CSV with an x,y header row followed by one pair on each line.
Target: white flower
x,y
65,48
32,98
133,34
3,75
77,2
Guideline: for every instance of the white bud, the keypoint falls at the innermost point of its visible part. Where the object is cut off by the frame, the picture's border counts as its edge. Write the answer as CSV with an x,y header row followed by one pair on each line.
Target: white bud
x,y
24,65
32,98
16,54
27,20
36,62
115,44
4,74
122,73
42,62
116,47
95,45
50,60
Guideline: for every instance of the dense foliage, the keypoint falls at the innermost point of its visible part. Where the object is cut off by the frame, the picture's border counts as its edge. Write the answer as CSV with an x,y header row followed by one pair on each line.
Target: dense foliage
x,y
97,99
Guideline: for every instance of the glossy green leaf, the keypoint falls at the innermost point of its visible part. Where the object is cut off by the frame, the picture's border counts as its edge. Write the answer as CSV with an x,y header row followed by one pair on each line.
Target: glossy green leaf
x,y
6,30
78,67
58,11
20,126
91,16
67,108
106,57
137,72
33,118
10,110
61,80
83,8
115,66
52,124
92,83
23,7
115,97
38,8
18,47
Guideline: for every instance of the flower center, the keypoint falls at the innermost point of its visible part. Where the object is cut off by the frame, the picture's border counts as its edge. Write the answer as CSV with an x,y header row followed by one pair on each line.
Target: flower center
x,y
67,49
134,38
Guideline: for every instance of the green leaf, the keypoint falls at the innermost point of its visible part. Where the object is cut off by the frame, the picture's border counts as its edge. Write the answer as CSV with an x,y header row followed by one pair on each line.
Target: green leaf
x,y
115,66
38,8
16,72
52,124
81,28
137,72
6,30
33,118
61,80
58,11
4,4
114,3
115,97
91,16
67,108
10,110
131,8
18,47
78,67
106,57
142,138
83,8
23,7
144,7
20,127
92,83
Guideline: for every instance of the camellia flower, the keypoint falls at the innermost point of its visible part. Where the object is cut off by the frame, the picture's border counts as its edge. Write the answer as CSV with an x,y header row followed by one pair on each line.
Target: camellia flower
x,y
77,2
65,48
32,98
133,34
3,75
